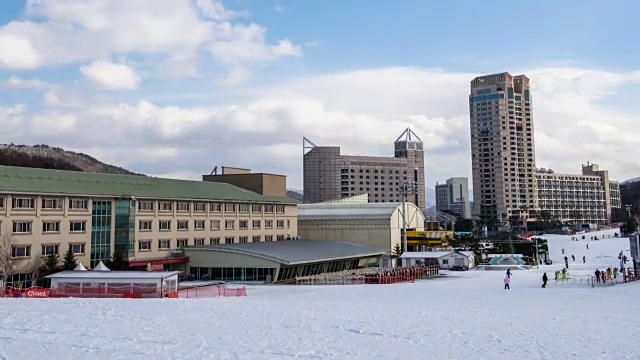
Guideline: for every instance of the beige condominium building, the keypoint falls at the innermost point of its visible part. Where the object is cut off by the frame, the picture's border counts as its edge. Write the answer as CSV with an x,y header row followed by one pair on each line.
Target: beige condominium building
x,y
586,198
328,175
149,219
502,147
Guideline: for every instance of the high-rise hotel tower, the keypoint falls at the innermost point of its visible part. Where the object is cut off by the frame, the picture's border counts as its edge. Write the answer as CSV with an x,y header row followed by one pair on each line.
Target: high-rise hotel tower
x,y
502,147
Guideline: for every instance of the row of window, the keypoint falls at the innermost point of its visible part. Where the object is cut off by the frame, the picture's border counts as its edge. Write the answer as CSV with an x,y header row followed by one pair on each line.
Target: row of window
x,y
183,225
201,207
23,251
29,203
48,227
166,244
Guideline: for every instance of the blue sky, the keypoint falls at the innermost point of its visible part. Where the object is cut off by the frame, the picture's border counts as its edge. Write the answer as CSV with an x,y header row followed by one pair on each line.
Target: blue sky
x,y
173,89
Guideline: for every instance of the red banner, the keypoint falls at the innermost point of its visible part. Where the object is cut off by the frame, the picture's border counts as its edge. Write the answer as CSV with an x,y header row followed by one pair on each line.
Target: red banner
x,y
36,293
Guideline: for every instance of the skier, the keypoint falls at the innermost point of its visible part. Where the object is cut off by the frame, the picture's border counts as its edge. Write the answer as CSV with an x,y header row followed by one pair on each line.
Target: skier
x,y
509,272
573,258
584,259
566,262
562,251
587,246
597,276
544,280
507,281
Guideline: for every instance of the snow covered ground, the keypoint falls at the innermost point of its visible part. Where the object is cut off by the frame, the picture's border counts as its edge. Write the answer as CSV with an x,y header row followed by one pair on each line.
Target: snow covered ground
x,y
466,315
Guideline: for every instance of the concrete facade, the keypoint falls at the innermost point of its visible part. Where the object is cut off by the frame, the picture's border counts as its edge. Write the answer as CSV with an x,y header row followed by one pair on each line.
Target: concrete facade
x,y
261,183
502,147
328,175
577,199
377,225
454,196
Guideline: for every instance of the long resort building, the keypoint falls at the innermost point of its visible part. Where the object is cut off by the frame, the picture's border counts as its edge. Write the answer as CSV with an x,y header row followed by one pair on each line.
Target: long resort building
x,y
149,220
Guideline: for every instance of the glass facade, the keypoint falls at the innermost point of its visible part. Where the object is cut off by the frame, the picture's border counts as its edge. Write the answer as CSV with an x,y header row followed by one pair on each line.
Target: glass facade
x,y
125,228
232,274
100,232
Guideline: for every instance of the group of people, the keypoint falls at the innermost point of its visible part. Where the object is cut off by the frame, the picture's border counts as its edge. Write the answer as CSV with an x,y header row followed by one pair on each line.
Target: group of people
x,y
606,274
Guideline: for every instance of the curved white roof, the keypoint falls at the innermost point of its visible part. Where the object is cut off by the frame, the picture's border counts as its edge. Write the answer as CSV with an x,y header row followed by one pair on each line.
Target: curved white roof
x,y
330,211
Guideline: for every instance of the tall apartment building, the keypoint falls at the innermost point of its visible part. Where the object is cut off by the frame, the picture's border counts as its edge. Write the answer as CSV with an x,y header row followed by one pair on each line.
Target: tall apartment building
x,y
502,147
586,198
44,212
329,175
454,196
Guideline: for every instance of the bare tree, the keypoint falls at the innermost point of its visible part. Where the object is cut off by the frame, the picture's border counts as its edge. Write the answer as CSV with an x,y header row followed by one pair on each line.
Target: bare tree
x,y
7,262
34,269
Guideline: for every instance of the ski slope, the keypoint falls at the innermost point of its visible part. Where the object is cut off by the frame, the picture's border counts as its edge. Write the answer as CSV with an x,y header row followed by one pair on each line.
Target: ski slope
x,y
465,315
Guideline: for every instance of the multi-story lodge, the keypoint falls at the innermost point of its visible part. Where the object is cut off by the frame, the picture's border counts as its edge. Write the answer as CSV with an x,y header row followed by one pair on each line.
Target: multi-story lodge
x,y
586,198
149,219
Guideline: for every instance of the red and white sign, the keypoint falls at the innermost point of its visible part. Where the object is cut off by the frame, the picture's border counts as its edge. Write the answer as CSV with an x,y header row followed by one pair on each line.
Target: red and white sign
x,y
36,293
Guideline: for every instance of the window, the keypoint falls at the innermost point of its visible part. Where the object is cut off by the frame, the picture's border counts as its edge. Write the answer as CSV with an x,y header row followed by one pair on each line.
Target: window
x,y
256,224
199,207
23,203
243,239
1,202
256,208
165,225
164,244
183,225
77,204
77,226
22,227
198,224
268,224
243,224
183,206
268,209
288,224
229,240
19,251
280,224
445,262
198,241
229,207
145,225
256,238
49,204
51,226
229,224
49,250
77,249
144,245
243,208
214,207
214,241
145,205
280,209
215,224
183,243
280,238
268,238
165,206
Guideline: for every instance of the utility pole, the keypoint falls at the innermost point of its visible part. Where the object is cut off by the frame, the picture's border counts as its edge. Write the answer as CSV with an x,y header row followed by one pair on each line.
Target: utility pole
x,y
537,255
407,187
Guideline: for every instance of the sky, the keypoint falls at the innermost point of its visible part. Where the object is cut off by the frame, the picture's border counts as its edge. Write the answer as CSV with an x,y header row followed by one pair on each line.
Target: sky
x,y
175,88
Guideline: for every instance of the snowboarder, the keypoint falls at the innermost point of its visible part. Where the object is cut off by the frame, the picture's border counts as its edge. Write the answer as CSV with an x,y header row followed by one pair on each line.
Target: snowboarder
x,y
544,280
597,276
509,272
584,259
507,281
573,258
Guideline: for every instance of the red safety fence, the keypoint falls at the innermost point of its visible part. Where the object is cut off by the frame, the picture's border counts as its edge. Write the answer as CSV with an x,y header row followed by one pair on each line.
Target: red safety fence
x,y
371,276
97,291
210,291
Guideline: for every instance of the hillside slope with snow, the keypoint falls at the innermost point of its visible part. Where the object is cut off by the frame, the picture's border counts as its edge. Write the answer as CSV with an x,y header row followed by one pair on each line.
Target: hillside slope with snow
x,y
466,315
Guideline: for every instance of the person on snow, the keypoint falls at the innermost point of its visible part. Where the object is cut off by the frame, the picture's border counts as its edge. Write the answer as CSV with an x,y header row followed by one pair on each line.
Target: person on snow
x,y
562,251
604,279
615,272
573,258
587,246
507,281
544,280
584,259
509,272
597,276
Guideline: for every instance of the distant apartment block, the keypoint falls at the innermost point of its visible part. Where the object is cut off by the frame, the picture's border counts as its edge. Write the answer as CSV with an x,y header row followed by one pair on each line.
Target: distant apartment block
x,y
454,196
329,175
586,198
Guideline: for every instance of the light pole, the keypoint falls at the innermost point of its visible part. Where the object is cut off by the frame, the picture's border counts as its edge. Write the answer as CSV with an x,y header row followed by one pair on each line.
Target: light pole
x,y
407,187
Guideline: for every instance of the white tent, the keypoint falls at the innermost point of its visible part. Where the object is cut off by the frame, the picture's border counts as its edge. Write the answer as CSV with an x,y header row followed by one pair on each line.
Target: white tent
x,y
80,267
101,267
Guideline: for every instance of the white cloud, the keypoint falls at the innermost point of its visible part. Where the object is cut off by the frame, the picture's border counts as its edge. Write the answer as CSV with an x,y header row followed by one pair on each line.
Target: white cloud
x,y
170,36
363,112
15,82
111,76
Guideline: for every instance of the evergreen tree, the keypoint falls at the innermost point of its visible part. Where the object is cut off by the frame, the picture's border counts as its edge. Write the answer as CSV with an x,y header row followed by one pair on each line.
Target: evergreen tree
x,y
397,251
69,260
119,261
51,264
